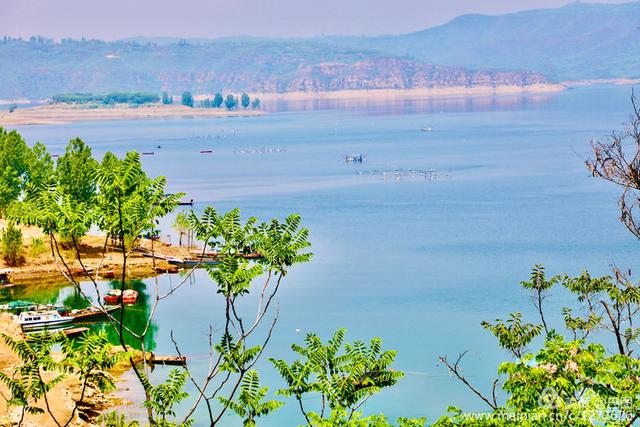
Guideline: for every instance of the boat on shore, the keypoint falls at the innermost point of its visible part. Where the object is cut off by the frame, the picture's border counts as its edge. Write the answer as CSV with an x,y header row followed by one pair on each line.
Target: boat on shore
x,y
42,320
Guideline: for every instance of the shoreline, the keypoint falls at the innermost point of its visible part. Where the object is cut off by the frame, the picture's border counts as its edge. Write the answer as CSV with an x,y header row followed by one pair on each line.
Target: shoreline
x,y
61,398
416,93
61,114
40,269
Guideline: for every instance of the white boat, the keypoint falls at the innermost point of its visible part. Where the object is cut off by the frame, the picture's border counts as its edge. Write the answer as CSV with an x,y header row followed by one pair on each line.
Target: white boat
x,y
39,320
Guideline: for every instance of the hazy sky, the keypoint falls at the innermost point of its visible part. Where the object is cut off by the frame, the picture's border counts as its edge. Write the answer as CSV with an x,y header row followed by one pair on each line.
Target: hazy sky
x,y
113,19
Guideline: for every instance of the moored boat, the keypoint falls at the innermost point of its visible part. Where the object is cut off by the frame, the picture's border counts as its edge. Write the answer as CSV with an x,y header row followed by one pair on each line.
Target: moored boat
x,y
42,320
129,296
92,313
113,296
5,278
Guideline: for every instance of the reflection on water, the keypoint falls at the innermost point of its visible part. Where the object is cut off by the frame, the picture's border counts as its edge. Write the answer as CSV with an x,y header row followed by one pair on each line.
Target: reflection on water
x,y
135,316
399,106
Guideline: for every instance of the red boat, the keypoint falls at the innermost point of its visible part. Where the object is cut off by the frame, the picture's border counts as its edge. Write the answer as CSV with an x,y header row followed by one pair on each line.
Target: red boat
x,y
113,296
129,296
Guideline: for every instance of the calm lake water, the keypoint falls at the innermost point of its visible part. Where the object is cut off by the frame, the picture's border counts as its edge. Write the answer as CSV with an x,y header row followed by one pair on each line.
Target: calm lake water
x,y
419,262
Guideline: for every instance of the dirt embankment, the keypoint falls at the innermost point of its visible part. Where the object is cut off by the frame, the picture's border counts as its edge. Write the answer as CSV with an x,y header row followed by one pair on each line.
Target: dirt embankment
x,y
61,399
39,266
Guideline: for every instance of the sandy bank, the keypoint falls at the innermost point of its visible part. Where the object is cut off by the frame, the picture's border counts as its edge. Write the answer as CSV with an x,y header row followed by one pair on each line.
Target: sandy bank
x,y
57,114
594,82
410,93
39,268
61,398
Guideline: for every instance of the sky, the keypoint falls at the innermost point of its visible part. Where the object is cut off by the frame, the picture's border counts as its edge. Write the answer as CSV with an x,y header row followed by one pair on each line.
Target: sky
x,y
116,19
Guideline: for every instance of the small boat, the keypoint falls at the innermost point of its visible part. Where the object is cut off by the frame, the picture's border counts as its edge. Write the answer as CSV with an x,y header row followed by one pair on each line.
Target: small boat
x,y
92,313
171,270
129,296
168,360
5,278
80,270
193,262
427,129
148,153
36,320
206,151
113,296
108,274
354,158
18,306
185,202
74,332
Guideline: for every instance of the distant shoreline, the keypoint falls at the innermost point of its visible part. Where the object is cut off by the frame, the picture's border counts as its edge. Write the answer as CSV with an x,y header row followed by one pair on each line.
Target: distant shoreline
x,y
595,82
60,114
410,93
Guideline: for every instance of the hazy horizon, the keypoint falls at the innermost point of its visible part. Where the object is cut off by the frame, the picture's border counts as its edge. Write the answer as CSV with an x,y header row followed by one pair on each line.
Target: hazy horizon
x,y
214,19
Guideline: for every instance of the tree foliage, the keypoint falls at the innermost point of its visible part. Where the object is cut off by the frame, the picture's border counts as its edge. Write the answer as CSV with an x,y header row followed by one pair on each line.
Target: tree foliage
x,y
187,99
250,403
76,172
344,375
14,155
11,245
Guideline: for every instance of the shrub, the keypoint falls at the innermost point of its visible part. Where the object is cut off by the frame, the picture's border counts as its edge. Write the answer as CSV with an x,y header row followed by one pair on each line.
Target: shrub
x,y
37,247
11,243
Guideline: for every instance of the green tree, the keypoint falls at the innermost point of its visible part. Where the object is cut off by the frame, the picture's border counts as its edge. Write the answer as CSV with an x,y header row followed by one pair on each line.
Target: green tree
x,y
76,172
230,102
12,245
163,398
245,100
250,403
344,375
218,100
166,99
14,155
255,104
187,99
181,225
40,169
39,370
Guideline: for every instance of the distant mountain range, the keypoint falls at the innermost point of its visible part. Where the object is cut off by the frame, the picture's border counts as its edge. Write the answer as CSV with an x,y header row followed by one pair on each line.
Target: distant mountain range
x,y
578,41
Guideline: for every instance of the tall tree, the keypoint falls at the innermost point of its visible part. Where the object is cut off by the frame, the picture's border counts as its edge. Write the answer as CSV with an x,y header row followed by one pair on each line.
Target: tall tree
x,y
230,102
187,99
40,169
245,100
14,155
76,171
218,100
166,99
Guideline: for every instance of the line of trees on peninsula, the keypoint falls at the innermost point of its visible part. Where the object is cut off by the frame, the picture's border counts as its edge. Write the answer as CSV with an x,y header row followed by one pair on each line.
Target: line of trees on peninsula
x,y
230,102
134,98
